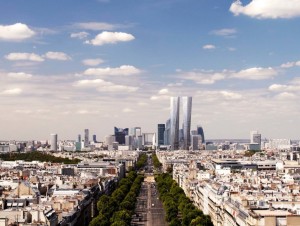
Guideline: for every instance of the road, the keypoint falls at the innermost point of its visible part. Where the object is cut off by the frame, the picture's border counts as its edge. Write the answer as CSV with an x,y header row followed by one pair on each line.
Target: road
x,y
149,210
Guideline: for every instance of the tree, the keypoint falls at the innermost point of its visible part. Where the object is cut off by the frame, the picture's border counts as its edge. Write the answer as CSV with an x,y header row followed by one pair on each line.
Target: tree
x,y
122,215
119,223
103,202
126,205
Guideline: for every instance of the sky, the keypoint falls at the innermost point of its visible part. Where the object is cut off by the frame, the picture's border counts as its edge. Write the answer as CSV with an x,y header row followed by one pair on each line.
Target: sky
x,y
74,64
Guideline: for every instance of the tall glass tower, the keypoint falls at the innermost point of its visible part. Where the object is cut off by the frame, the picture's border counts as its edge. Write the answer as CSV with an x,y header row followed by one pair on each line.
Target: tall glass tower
x,y
174,130
160,134
53,142
86,138
201,133
187,113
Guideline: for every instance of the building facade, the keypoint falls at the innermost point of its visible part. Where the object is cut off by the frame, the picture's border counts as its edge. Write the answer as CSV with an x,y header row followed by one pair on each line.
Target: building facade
x,y
187,113
200,132
174,121
53,142
86,137
160,134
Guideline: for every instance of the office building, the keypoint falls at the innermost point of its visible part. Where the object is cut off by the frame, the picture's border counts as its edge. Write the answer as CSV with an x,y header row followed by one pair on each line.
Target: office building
x,y
120,135
128,140
160,134
148,139
167,132
110,139
135,131
255,137
86,138
174,127
196,139
53,142
79,138
200,132
94,138
187,113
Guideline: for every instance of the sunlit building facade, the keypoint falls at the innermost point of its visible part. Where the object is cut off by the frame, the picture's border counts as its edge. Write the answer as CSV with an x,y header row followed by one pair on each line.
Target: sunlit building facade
x,y
187,113
174,128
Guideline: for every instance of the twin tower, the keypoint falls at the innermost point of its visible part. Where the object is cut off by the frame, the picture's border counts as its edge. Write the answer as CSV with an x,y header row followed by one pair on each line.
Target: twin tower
x,y
174,136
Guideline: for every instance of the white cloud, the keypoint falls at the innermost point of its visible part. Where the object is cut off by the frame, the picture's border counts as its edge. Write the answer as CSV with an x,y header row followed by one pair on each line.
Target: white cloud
x,y
210,77
57,56
19,75
96,26
107,37
175,84
122,70
281,88
163,91
285,96
256,73
267,9
92,62
231,95
208,46
204,77
80,35
111,87
277,87
290,64
127,110
86,112
231,49
14,91
15,32
160,97
103,86
225,32
24,56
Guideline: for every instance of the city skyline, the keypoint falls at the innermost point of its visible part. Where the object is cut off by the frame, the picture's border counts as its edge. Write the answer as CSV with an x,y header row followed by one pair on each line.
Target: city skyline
x,y
105,63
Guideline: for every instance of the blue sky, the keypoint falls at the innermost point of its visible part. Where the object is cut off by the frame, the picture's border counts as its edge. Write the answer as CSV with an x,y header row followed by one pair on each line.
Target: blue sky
x,y
73,64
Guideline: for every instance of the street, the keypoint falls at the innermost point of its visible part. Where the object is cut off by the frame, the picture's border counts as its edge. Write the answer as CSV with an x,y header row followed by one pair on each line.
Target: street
x,y
149,210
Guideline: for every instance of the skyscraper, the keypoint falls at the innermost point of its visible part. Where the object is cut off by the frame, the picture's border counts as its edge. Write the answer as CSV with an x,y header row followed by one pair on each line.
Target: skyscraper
x,y
201,133
174,128
255,137
167,132
86,137
95,138
120,134
53,142
187,113
160,134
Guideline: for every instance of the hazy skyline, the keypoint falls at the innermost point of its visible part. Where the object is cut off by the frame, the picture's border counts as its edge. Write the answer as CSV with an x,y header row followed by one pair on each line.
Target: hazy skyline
x,y
70,65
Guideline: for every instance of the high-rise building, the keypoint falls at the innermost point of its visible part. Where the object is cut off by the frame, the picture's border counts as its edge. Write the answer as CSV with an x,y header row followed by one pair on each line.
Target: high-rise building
x,y
195,142
167,132
187,113
53,142
135,131
86,138
160,134
110,139
120,135
201,133
128,140
94,138
79,138
255,137
174,128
